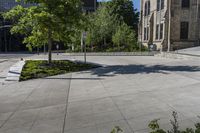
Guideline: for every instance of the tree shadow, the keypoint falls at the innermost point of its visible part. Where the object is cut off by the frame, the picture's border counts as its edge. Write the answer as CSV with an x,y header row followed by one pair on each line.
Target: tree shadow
x,y
141,69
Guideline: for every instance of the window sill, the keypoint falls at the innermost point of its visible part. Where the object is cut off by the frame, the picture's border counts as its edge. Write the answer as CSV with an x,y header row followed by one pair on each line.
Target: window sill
x,y
185,8
160,10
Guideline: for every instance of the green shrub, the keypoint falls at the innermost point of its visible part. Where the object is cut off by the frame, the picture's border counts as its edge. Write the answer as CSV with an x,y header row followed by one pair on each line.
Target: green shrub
x,y
39,69
117,129
154,125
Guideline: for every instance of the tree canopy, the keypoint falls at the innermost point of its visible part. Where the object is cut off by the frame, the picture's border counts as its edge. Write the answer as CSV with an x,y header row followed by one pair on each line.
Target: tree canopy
x,y
112,27
46,22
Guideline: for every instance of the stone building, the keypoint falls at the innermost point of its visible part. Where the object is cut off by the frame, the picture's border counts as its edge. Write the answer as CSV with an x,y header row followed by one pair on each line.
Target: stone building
x,y
169,24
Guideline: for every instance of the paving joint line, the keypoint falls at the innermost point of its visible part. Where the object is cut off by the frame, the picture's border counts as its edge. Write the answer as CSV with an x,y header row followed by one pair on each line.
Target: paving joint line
x,y
66,107
36,117
124,118
18,107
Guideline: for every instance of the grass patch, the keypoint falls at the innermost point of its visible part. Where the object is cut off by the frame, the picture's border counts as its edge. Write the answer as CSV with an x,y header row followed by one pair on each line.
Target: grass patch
x,y
40,69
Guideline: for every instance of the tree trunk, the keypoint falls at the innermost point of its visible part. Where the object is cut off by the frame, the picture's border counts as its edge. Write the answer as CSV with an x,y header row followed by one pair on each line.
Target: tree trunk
x,y
50,47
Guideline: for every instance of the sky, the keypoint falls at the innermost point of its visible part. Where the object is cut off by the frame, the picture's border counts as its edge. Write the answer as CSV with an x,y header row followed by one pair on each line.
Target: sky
x,y
136,3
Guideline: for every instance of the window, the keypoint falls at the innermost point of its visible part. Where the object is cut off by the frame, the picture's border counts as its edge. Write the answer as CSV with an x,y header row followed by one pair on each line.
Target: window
x,y
157,31
161,31
160,4
145,33
184,30
185,3
172,13
199,11
147,8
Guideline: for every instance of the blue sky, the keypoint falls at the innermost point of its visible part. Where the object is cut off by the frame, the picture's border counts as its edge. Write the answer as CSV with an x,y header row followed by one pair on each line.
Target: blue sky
x,y
136,3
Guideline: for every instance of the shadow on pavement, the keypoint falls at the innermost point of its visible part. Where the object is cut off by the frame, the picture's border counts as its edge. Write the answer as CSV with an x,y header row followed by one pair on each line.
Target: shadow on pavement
x,y
142,69
74,78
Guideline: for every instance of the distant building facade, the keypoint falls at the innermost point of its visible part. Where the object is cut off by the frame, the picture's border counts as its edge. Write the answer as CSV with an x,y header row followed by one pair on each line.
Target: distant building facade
x,y
89,5
169,24
6,5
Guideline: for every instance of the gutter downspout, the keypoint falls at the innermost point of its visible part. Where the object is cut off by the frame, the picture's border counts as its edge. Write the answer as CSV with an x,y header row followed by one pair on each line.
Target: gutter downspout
x,y
169,27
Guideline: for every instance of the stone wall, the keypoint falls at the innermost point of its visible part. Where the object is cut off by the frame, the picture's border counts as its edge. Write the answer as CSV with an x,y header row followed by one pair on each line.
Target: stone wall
x,y
178,15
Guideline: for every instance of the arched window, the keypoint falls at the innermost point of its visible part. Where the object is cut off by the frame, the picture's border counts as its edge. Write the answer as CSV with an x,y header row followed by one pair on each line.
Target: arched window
x,y
147,8
160,4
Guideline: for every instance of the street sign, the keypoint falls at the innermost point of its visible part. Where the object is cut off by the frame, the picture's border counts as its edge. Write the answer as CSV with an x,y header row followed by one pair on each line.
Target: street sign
x,y
57,47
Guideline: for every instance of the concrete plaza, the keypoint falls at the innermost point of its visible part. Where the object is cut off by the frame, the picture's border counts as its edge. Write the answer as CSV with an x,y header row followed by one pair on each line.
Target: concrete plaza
x,y
129,91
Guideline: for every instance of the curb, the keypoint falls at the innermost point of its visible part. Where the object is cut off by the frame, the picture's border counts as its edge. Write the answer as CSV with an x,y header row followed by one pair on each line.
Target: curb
x,y
15,71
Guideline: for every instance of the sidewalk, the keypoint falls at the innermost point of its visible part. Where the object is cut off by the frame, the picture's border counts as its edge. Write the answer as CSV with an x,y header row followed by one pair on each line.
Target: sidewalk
x,y
128,92
36,106
195,51
4,68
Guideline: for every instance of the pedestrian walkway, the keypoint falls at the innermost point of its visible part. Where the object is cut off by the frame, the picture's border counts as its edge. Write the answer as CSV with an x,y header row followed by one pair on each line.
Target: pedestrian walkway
x,y
128,92
36,106
195,51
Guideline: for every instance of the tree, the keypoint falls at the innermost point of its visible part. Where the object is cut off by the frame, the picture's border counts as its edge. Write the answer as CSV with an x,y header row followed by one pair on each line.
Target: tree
x,y
101,26
107,27
124,38
46,22
111,25
125,11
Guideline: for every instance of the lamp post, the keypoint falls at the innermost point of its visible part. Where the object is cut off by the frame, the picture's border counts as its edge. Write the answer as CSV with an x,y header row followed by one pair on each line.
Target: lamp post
x,y
84,45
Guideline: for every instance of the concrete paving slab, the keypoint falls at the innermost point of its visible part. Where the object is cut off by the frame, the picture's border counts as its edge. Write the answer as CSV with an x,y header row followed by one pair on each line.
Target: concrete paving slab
x,y
107,127
89,129
128,92
34,107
